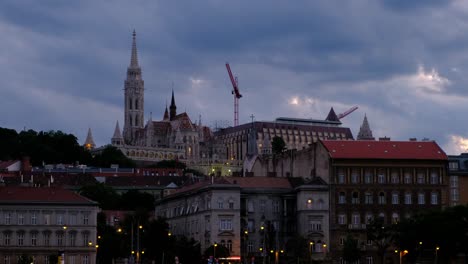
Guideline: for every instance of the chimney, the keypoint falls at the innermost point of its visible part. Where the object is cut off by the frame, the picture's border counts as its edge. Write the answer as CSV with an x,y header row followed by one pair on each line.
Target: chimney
x,y
26,164
413,139
384,139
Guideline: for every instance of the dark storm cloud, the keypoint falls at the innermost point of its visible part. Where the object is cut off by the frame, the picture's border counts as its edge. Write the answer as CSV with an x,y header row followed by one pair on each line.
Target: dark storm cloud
x,y
63,63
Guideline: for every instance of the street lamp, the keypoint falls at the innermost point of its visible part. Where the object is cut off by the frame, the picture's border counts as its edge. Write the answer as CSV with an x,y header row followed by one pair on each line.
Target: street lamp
x,y
401,254
311,244
214,250
437,254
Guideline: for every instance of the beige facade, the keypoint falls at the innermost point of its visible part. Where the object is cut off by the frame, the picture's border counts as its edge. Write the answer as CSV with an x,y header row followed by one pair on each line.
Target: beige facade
x,y
41,229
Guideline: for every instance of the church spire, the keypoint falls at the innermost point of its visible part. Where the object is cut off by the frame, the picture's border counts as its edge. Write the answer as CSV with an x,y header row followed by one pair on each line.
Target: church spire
x,y
365,133
134,58
117,138
89,142
172,108
166,114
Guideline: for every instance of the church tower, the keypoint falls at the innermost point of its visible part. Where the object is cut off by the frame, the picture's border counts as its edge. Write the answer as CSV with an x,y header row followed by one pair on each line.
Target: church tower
x,y
134,98
172,108
365,133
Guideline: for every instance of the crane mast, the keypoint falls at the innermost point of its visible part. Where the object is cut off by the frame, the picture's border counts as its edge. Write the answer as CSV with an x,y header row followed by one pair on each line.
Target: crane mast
x,y
236,94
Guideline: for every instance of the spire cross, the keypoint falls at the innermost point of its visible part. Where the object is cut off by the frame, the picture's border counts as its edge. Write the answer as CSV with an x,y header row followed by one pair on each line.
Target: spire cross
x,y
252,117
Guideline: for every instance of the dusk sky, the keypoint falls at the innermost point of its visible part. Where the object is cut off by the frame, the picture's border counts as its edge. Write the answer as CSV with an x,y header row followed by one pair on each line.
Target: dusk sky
x,y
403,63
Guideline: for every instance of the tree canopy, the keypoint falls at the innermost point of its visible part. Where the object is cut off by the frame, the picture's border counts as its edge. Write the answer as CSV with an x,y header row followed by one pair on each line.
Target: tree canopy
x,y
278,145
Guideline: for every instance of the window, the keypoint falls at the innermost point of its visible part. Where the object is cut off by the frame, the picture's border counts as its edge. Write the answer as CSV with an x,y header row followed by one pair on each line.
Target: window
x,y
369,260
136,104
381,198
276,206
369,242
434,198
60,219
225,224
434,178
355,199
33,218
250,206
395,218
315,225
395,198
341,219
368,198
250,246
355,176
20,239
251,225
231,204
220,203
20,219
342,240
85,219
454,195
7,218
86,239
453,165
46,239
130,103
47,219
408,198
341,176
356,219
85,259
72,259
368,176
421,178
320,204
408,178
395,177
421,199
60,239
381,176
369,218
229,245
454,181
72,219
6,239
72,239
33,239
342,198
262,206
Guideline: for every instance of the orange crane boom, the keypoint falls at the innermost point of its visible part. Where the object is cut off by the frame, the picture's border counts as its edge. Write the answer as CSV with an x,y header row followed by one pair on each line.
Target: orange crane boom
x,y
347,112
236,93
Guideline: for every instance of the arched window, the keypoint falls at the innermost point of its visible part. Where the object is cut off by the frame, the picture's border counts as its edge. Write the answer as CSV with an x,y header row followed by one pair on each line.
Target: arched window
x,y
136,104
381,198
421,199
130,105
131,121
136,120
395,218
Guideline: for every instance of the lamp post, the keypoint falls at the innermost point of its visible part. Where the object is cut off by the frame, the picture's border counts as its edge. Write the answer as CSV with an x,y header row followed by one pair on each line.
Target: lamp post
x,y
214,251
64,241
311,244
246,234
437,254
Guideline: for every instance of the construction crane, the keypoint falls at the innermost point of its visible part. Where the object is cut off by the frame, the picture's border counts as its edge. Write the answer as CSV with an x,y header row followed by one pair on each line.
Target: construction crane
x,y
347,112
236,93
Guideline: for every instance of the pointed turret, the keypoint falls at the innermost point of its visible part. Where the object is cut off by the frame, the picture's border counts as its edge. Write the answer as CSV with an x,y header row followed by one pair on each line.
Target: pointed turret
x,y
117,138
172,108
134,58
89,142
365,133
166,114
332,116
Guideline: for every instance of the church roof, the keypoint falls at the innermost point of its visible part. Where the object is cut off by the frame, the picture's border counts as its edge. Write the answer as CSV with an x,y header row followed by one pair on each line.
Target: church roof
x,y
117,134
365,133
89,139
332,116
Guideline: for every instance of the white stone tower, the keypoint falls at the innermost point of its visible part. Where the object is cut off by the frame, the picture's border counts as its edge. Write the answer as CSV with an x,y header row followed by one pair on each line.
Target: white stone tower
x,y
134,98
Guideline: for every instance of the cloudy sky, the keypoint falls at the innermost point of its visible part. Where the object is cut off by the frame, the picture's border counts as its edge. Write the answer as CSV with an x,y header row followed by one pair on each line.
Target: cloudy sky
x,y
403,63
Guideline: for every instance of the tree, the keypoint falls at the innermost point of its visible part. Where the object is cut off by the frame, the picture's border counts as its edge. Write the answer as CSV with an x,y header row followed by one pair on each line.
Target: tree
x,y
351,251
278,145
134,199
103,194
112,155
382,236
25,259
298,247
221,251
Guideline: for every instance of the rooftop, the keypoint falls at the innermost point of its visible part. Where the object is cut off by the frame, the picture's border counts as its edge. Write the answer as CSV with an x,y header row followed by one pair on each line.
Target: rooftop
x,y
369,149
54,195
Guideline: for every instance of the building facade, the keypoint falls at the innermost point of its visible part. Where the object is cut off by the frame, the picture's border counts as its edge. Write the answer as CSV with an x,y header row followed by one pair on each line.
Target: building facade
x,y
41,222
391,180
458,173
253,217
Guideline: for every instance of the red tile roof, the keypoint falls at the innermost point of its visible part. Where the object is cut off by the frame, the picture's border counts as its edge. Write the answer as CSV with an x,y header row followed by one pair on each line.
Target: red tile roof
x,y
6,164
36,195
367,149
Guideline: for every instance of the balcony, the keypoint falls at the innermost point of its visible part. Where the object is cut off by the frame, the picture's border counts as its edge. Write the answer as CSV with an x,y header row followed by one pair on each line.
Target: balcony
x,y
357,226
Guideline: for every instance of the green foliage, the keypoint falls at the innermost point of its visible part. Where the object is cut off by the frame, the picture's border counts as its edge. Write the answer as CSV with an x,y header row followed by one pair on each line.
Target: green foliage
x,y
298,247
106,196
278,145
134,199
221,251
171,164
382,236
25,259
351,251
111,155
